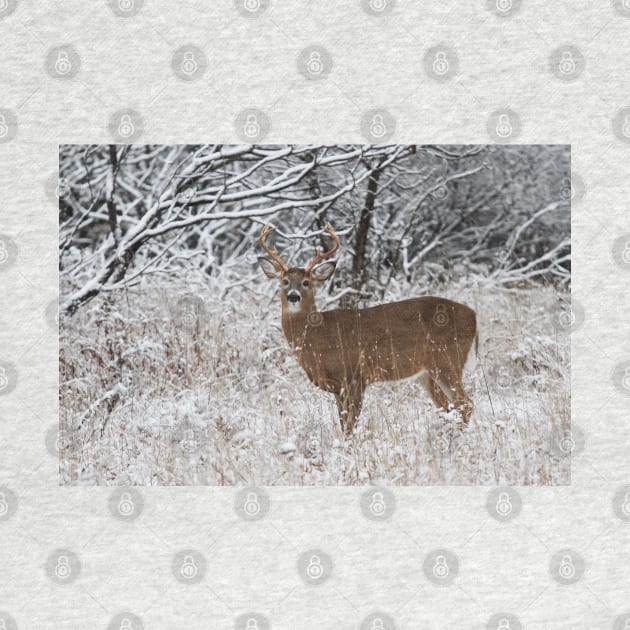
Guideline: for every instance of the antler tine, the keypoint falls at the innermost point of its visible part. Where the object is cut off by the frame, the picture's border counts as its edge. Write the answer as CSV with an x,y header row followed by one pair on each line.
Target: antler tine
x,y
272,252
331,252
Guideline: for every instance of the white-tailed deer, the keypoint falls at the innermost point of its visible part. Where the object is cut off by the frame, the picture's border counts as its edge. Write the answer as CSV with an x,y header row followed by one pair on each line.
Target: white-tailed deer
x,y
343,351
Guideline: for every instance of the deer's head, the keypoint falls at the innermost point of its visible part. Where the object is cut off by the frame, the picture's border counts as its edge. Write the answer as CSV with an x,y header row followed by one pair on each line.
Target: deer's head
x,y
297,284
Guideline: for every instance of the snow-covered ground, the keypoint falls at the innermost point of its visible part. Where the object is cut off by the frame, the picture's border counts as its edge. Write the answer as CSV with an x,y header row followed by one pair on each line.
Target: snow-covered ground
x,y
178,385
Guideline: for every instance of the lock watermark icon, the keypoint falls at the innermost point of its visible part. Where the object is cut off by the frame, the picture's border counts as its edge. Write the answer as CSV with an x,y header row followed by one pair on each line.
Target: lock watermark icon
x,y
566,566
504,621
189,443
8,125
126,621
621,377
126,128
8,378
190,310
189,63
378,8
503,506
7,622
251,5
621,252
314,566
6,8
126,503
503,8
63,62
188,570
4,254
315,63
378,504
252,504
252,125
189,566
314,570
567,63
441,567
63,566
251,8
576,188
377,125
621,124
504,125
440,316
252,621
125,8
126,125
378,620
251,128
623,8
378,128
441,63
63,65
8,503
569,316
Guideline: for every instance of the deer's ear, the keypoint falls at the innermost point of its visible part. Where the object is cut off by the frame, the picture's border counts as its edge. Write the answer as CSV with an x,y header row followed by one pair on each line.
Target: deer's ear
x,y
323,271
272,269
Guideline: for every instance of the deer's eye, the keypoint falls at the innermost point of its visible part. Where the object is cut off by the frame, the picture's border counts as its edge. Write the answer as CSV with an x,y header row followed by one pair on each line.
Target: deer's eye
x,y
285,282
305,283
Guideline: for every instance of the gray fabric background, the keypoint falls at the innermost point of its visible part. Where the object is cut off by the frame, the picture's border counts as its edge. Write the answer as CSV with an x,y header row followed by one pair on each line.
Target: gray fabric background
x,y
124,567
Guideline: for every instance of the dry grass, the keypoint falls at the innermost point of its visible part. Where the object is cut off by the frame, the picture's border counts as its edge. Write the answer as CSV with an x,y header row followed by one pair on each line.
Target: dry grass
x,y
159,387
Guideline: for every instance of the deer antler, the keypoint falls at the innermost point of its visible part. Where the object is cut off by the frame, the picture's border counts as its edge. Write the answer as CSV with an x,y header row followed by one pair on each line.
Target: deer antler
x,y
272,252
319,256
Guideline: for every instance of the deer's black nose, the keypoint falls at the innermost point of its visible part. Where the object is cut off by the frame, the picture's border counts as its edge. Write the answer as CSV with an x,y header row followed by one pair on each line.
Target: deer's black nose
x,y
293,297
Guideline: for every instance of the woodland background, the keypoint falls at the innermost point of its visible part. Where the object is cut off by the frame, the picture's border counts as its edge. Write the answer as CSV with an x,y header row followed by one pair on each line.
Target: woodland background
x,y
173,368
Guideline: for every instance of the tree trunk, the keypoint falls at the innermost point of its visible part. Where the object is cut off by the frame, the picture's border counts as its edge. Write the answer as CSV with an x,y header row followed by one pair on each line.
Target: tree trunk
x,y
358,262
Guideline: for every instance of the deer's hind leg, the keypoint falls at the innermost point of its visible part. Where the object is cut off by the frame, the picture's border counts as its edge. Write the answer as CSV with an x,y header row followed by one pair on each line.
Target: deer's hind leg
x,y
435,391
446,388
451,380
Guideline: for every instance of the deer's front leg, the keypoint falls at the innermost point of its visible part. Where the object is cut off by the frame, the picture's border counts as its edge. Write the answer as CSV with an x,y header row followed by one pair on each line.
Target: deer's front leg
x,y
349,403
